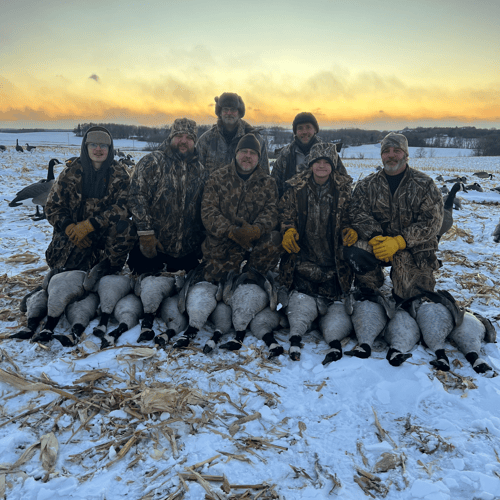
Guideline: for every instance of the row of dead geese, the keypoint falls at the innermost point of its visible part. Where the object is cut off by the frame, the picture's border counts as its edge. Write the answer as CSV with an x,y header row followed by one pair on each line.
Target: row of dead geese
x,y
250,301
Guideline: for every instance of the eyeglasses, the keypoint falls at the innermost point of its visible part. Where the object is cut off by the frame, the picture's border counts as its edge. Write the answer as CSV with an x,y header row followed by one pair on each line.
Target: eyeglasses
x,y
94,145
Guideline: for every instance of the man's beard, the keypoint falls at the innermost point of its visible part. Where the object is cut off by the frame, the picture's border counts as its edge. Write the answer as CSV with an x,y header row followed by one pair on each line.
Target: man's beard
x,y
182,155
392,169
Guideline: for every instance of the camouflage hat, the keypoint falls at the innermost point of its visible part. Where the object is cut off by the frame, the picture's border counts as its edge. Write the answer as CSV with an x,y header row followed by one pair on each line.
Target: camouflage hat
x,y
229,100
184,126
393,140
99,137
249,141
305,118
323,150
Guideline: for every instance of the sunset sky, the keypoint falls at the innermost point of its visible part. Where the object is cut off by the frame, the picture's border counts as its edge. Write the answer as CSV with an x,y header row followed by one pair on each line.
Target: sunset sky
x,y
370,64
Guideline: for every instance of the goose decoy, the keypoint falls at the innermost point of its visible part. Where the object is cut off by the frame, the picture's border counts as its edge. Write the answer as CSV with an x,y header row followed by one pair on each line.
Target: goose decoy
x,y
444,189
440,178
37,192
483,175
120,153
3,148
474,187
127,161
30,148
448,208
497,189
456,179
19,148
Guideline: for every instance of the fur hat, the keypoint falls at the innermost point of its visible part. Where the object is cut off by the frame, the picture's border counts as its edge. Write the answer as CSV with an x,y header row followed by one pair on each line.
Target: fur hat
x,y
393,140
229,100
99,137
305,118
184,126
249,141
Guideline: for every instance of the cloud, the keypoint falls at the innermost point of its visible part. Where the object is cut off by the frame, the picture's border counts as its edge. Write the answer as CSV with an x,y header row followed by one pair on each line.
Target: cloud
x,y
94,77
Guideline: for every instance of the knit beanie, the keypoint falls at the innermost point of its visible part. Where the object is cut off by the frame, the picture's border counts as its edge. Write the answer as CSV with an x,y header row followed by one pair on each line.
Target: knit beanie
x,y
324,150
305,118
184,126
229,100
393,140
98,137
249,141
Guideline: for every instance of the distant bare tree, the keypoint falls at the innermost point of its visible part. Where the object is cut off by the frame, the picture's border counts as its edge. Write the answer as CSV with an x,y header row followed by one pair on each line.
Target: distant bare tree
x,y
432,153
420,153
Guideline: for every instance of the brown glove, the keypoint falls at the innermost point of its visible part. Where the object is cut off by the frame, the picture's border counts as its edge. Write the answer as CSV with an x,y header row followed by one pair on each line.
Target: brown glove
x,y
245,234
149,245
78,232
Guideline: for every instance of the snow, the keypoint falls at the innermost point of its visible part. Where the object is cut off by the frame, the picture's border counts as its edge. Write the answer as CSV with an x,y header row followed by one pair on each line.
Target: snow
x,y
316,422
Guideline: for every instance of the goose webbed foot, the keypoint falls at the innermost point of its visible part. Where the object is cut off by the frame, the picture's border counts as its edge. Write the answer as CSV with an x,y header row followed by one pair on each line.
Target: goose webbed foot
x,y
212,343
163,339
397,358
362,351
479,365
441,362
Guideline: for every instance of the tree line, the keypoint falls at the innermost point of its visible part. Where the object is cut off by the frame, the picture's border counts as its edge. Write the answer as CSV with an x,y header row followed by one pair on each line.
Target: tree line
x,y
484,142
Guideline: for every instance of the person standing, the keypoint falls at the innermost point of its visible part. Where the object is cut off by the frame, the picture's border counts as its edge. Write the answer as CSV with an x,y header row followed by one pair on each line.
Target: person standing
x,y
217,146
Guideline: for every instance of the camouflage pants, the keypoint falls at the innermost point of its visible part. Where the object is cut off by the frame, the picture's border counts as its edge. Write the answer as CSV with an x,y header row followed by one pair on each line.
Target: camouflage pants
x,y
222,256
406,276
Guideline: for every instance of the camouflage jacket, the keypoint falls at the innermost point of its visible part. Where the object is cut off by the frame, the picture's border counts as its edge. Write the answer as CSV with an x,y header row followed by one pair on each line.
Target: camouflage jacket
x,y
285,166
65,204
294,210
415,211
228,197
165,196
215,152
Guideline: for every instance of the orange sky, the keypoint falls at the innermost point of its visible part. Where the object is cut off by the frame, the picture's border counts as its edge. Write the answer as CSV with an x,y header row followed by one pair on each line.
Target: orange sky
x,y
371,64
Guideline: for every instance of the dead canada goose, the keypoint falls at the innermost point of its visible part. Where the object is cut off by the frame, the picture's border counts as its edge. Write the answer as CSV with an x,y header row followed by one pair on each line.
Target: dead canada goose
x,y
483,175
19,148
448,208
474,187
37,192
30,148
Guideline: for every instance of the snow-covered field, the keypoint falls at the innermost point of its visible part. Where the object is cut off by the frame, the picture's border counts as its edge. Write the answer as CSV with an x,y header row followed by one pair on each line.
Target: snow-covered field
x,y
274,429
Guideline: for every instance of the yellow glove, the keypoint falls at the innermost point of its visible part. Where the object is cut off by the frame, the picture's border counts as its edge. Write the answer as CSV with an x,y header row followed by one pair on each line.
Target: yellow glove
x,y
384,247
77,232
148,245
349,237
290,239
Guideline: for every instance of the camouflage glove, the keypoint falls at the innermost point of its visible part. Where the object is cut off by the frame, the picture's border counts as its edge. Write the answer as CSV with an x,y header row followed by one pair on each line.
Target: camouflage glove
x,y
384,247
148,245
290,239
78,232
245,234
349,237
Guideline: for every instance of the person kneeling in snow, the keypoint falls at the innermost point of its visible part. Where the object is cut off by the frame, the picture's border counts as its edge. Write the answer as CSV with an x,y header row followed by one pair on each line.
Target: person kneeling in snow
x,y
398,212
88,208
312,213
239,213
